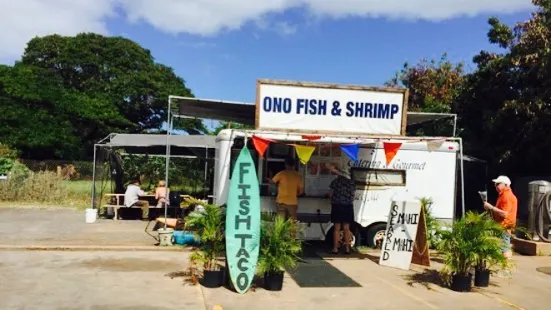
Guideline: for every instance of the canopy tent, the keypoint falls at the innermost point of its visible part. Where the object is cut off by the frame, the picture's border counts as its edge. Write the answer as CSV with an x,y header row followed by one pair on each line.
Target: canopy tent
x,y
245,113
183,146
154,144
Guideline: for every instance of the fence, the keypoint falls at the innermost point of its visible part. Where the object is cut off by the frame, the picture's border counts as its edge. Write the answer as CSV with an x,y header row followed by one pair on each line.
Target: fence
x,y
68,170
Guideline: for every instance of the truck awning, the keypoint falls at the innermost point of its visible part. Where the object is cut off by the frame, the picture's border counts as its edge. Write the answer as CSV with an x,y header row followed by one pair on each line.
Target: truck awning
x,y
245,113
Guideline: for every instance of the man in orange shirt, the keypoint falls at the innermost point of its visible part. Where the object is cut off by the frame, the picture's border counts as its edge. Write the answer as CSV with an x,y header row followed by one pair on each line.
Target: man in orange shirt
x,y
289,188
505,210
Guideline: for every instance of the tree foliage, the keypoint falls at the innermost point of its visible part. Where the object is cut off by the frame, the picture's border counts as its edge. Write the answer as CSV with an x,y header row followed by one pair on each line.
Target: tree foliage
x,y
76,90
229,125
433,85
505,107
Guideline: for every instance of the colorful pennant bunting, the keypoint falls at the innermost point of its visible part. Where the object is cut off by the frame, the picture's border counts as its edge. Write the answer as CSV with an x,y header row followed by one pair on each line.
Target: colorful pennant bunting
x,y
310,138
391,149
304,152
261,144
351,150
434,144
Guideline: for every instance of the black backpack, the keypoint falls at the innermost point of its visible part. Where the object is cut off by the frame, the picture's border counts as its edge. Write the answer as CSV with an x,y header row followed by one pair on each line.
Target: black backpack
x,y
174,199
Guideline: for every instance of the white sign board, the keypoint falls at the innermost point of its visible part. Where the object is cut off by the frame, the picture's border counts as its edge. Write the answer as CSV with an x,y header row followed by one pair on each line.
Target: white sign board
x,y
400,234
324,108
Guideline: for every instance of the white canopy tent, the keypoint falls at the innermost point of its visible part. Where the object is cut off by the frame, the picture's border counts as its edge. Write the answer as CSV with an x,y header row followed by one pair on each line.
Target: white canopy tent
x,y
185,146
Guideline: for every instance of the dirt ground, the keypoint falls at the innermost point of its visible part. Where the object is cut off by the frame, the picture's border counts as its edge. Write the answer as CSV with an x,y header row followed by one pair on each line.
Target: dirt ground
x,y
137,278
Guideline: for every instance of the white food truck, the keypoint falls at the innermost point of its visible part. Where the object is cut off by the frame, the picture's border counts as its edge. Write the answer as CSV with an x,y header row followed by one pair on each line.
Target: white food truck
x,y
328,116
415,170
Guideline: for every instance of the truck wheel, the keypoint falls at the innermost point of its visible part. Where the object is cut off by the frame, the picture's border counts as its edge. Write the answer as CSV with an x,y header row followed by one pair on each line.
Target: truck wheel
x,y
329,237
375,235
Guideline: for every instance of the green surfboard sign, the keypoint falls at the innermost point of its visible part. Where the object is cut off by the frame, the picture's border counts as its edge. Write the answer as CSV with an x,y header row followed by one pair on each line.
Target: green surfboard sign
x,y
243,222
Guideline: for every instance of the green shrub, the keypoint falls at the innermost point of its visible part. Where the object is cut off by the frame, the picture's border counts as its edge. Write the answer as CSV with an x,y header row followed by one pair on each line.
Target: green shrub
x,y
25,186
7,159
279,249
433,227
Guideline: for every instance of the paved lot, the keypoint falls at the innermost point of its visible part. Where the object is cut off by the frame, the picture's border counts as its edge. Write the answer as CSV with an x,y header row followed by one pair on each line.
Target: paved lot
x,y
94,280
61,226
141,280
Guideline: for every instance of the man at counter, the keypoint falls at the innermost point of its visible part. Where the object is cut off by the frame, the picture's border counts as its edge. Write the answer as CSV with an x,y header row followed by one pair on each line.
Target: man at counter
x,y
289,187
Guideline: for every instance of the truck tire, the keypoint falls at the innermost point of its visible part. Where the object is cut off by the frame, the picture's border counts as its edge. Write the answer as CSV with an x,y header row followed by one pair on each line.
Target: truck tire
x,y
374,234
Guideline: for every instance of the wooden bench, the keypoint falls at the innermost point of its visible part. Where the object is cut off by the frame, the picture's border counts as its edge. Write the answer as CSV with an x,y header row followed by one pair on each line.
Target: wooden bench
x,y
119,202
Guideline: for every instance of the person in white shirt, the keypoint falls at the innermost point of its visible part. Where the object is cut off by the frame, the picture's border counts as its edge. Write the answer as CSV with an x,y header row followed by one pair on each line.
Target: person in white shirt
x,y
132,198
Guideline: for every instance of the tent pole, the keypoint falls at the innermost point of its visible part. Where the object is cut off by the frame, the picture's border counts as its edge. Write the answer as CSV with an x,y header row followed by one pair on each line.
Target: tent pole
x,y
94,179
462,177
454,125
206,169
168,124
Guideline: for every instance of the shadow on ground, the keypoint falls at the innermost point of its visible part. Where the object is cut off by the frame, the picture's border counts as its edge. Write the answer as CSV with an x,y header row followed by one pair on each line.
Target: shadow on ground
x,y
426,278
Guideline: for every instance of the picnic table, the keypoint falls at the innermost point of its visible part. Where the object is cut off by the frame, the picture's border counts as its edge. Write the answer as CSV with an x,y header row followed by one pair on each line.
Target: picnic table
x,y
118,202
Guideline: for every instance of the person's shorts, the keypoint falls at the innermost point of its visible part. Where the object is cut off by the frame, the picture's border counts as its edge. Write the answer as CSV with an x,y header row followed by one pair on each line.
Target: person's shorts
x,y
507,242
287,211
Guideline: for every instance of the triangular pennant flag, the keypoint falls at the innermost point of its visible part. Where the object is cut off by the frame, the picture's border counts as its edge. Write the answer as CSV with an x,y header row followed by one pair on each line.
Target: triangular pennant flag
x,y
261,144
391,149
310,138
304,152
434,144
351,150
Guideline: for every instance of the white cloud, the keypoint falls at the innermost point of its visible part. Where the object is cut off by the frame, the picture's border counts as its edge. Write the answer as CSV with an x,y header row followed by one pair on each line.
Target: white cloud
x,y
22,20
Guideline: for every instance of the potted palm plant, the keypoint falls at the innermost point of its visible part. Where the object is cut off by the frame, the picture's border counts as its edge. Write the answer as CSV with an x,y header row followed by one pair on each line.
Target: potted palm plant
x,y
433,227
279,250
487,244
459,252
209,226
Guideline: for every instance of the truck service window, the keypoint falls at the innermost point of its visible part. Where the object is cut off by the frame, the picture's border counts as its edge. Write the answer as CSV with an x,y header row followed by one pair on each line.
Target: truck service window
x,y
378,177
273,163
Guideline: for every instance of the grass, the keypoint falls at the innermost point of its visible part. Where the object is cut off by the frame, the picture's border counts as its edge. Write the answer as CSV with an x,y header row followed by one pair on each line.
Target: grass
x,y
50,191
45,189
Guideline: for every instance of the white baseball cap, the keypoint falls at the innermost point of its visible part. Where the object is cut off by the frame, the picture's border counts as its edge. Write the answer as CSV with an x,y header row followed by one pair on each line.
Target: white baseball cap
x,y
502,180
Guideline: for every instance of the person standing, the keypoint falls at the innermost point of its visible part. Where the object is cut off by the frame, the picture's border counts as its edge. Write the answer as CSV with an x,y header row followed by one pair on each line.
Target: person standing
x,y
289,187
505,210
342,192
132,198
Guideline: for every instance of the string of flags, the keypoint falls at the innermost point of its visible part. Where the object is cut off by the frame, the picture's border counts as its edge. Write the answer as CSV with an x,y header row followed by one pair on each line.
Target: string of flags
x,y
305,152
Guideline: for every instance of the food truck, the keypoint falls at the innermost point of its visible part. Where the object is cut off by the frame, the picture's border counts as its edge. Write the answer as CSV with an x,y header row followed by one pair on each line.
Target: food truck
x,y
332,120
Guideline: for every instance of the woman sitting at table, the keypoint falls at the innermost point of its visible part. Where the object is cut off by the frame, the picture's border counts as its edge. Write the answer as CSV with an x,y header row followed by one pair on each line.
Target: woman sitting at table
x,y
161,194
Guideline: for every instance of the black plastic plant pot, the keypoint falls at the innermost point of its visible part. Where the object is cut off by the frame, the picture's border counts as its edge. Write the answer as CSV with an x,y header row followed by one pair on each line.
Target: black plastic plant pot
x,y
461,283
213,278
273,281
481,278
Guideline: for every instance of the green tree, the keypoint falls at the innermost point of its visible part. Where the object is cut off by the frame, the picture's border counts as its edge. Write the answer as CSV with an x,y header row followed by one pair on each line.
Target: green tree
x,y
433,87
505,107
229,125
77,90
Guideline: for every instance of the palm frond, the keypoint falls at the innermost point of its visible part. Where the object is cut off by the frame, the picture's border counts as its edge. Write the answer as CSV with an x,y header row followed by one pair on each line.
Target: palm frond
x,y
279,248
473,241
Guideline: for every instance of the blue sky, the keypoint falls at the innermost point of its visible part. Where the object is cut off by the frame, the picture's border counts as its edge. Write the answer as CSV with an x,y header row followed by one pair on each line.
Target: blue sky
x,y
221,47
348,51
